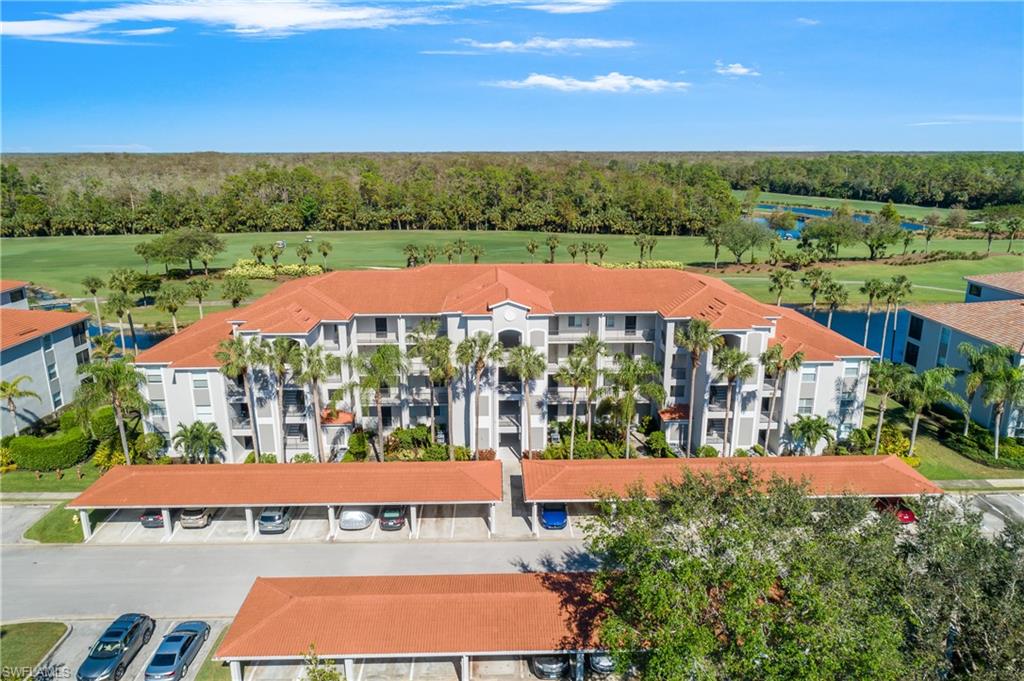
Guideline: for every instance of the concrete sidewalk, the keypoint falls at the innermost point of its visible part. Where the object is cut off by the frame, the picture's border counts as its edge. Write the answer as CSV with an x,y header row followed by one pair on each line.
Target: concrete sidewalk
x,y
36,497
999,485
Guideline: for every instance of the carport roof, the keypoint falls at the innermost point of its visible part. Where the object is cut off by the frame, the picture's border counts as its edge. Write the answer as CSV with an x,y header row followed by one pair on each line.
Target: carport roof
x,y
413,616
291,484
874,476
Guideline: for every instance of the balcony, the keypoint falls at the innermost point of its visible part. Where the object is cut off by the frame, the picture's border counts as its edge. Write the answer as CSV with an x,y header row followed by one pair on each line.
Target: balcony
x,y
234,393
716,406
568,335
628,335
770,385
374,338
508,422
514,388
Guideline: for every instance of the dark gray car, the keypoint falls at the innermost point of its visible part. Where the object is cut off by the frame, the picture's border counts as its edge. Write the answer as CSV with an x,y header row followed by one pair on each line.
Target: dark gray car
x,y
177,651
116,648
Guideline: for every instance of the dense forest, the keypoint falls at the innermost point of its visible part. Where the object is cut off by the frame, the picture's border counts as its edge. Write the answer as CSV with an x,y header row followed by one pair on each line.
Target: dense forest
x,y
653,193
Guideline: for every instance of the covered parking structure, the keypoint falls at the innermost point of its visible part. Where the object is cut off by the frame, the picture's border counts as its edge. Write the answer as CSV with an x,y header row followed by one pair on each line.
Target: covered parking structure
x,y
254,486
585,481
457,626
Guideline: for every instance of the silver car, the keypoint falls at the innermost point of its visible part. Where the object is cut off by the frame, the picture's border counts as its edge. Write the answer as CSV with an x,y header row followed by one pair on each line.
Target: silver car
x,y
550,666
355,518
275,520
194,518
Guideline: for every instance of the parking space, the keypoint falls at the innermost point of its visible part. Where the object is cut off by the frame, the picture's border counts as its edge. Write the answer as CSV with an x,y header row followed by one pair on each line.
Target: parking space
x,y
226,526
500,669
123,527
308,524
462,522
16,518
273,671
395,670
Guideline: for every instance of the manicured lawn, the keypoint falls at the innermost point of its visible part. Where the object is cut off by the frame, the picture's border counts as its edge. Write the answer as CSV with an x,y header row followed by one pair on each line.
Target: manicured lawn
x,y
938,462
906,210
212,670
60,526
25,481
22,646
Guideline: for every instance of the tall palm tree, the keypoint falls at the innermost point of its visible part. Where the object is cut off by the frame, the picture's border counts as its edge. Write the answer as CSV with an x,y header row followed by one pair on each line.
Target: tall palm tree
x,y
119,304
896,292
259,251
198,290
238,358
528,364
478,353
282,357
104,347
631,379
376,373
734,365
835,295
925,389
422,342
552,243
316,367
444,370
92,286
887,379
698,337
809,431
412,255
11,391
476,251
779,281
531,248
777,365
460,245
592,348
117,384
1004,387
324,248
124,280
198,440
874,289
981,362
170,299
600,248
575,372
814,280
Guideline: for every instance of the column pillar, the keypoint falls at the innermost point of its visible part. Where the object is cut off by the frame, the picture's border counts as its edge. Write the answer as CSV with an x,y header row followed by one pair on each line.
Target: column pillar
x,y
350,669
250,523
413,522
168,522
491,518
236,670
332,524
577,673
83,519
533,520
464,672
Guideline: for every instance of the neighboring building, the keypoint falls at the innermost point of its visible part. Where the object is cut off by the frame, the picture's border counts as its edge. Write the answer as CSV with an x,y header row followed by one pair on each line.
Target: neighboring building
x,y
14,294
551,307
987,287
48,347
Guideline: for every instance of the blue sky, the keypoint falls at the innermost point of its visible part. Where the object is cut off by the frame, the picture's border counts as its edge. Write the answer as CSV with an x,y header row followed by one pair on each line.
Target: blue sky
x,y
326,75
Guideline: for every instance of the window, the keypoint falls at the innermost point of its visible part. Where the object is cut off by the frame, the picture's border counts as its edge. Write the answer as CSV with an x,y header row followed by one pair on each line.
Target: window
x,y
851,371
204,412
17,294
380,325
47,342
154,376
575,321
940,357
82,357
51,371
609,322
58,400
916,324
809,375
200,382
552,383
974,290
385,413
806,406
846,406
78,331
158,408
631,325
553,412
910,354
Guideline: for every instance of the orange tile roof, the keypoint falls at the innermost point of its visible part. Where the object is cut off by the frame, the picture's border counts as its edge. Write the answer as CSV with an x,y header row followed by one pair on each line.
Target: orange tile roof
x,y
18,326
798,333
9,284
874,476
675,412
294,484
195,346
514,613
1008,281
998,321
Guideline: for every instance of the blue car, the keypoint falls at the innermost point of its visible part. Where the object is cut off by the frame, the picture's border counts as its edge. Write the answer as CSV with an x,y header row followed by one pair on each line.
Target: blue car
x,y
175,653
553,516
116,648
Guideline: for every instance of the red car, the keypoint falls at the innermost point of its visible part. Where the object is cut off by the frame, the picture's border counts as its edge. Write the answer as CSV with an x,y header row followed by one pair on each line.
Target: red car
x,y
896,507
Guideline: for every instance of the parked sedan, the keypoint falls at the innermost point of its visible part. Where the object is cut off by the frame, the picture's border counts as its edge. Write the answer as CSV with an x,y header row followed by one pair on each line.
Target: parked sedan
x,y
195,518
116,648
152,517
275,520
896,507
355,518
549,666
177,651
392,517
554,516
601,664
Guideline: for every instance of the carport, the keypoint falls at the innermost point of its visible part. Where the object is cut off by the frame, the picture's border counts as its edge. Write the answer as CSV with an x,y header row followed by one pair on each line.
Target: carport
x,y
586,481
457,626
250,487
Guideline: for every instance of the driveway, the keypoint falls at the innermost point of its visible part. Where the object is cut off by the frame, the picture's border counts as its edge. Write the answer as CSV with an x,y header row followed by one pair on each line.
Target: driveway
x,y
997,509
16,518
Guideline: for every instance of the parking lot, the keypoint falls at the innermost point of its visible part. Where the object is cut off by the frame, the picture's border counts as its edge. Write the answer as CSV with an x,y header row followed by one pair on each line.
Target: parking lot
x,y
426,669
16,518
996,509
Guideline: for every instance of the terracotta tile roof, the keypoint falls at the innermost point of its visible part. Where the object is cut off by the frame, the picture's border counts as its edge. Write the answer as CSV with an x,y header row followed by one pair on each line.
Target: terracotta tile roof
x,y
1008,281
875,476
798,333
18,326
413,615
195,346
675,412
9,284
294,484
341,418
1000,321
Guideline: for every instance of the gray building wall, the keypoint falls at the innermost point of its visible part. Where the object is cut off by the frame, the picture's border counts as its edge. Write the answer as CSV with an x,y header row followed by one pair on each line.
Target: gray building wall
x,y
16,298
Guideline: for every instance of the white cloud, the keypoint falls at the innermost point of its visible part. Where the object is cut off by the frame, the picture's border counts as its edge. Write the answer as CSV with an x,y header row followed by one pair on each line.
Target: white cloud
x,y
44,27
538,44
967,119
571,6
806,21
159,30
734,70
613,82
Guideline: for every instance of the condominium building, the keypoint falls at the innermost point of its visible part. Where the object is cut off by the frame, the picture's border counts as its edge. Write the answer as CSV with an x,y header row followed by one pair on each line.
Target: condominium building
x,y
551,307
14,294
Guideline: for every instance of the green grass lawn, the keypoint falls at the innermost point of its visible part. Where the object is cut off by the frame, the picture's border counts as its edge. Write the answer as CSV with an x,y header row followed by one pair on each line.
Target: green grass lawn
x,y
22,646
211,669
60,526
938,462
906,210
25,481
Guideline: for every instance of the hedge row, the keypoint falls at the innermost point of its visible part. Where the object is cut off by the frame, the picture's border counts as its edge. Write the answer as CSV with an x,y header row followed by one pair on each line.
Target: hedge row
x,y
60,451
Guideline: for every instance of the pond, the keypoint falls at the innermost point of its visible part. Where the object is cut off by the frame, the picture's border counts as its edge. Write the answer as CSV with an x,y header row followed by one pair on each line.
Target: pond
x,y
145,339
850,323
815,213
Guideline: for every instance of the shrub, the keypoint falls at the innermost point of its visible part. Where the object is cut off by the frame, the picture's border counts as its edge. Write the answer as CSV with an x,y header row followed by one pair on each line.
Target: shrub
x,y
68,419
893,442
358,445
645,265
912,461
108,454
486,455
434,453
250,269
147,446
304,457
740,452
103,424
265,457
979,445
657,445
63,450
758,450
861,440
706,452
407,438
462,454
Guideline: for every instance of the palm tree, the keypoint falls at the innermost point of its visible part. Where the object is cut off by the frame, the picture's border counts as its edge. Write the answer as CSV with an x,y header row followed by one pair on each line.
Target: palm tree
x,y
198,290
119,304
170,299
275,251
895,293
235,290
777,365
633,378
412,255
92,285
981,362
835,295
304,251
814,280
1004,387
449,252
259,252
528,364
698,337
317,367
460,245
734,365
573,249
477,353
887,379
376,373
124,280
198,440
206,254
116,384
779,281
531,247
325,248
552,243
592,348
477,251
238,357
809,431
104,347
282,358
874,289
422,343
444,370
430,253
11,391
575,372
600,248
925,389
932,222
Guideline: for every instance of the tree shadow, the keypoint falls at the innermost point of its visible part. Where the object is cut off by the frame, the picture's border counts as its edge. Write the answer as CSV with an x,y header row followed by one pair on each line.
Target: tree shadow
x,y
571,578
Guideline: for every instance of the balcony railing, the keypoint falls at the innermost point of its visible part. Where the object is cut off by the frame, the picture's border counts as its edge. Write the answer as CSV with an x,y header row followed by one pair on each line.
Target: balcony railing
x,y
629,335
510,387
234,393
374,337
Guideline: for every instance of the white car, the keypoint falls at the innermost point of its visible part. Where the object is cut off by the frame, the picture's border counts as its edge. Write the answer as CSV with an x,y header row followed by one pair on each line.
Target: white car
x,y
355,518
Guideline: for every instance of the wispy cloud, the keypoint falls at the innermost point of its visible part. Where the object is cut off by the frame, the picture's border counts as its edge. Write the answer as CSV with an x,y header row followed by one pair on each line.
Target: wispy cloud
x,y
159,30
734,70
571,6
613,82
969,119
539,44
807,21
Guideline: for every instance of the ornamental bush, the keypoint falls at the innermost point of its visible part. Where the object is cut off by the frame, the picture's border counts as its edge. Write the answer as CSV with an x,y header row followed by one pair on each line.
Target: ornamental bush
x,y
706,452
893,442
265,457
62,450
979,445
657,445
486,455
103,424
304,457
358,446
250,269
